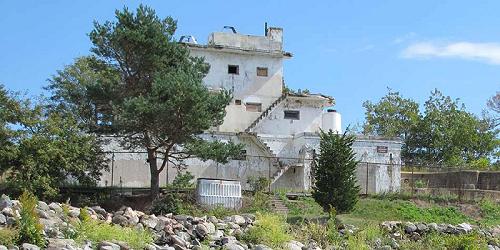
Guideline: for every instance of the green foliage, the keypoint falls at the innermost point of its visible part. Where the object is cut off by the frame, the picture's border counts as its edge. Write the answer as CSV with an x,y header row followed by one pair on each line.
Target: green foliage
x,y
96,231
490,213
269,229
30,229
437,214
259,202
40,150
335,174
169,203
151,93
258,184
305,209
8,236
445,133
471,241
183,180
392,116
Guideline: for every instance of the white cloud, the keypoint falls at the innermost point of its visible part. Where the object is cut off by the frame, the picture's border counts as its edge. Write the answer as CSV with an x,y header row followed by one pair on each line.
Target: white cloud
x,y
486,52
404,38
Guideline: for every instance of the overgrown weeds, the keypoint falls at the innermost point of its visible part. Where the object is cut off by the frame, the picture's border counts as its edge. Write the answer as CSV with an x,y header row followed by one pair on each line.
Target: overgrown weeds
x,y
30,229
269,229
8,236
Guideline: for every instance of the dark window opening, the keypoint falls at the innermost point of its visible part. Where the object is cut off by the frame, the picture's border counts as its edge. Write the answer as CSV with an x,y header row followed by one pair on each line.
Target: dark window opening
x,y
261,71
237,102
242,156
253,107
292,114
233,69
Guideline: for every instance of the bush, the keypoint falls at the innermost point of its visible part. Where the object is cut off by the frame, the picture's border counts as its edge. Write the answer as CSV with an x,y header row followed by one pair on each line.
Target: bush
x,y
169,203
8,236
490,211
30,229
335,173
269,229
259,202
258,184
183,180
96,232
436,214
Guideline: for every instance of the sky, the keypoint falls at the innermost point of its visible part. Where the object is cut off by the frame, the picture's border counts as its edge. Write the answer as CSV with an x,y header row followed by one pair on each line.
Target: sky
x,y
351,50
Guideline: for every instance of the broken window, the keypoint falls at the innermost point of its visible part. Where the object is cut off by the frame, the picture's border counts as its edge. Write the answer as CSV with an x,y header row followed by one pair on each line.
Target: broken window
x,y
292,114
233,69
261,71
242,155
253,107
237,102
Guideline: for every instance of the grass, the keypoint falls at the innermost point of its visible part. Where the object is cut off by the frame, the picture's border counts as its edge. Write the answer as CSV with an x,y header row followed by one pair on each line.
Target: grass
x,y
8,236
471,241
270,230
490,213
96,231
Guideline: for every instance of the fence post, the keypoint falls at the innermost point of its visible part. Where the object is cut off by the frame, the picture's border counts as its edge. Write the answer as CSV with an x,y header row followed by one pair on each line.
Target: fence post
x,y
412,184
112,169
269,172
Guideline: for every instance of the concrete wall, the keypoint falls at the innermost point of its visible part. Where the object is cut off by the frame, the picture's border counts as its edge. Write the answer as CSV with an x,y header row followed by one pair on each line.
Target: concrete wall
x,y
311,111
470,179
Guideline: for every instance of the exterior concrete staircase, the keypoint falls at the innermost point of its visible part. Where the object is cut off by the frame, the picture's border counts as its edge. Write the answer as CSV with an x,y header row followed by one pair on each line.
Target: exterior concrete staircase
x,y
278,206
266,112
282,167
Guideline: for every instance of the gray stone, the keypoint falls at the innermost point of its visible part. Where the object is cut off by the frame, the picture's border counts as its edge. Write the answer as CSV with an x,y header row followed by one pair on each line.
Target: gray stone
x,y
106,245
201,230
149,221
228,239
120,220
2,247
100,210
213,219
3,219
11,221
238,219
5,202
433,226
43,206
262,247
464,228
56,244
410,228
294,245
450,229
421,227
178,240
27,246
385,247
42,214
55,207
217,235
74,213
233,246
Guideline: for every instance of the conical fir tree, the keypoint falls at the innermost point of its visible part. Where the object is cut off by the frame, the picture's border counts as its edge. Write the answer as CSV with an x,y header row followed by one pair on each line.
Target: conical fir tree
x,y
335,175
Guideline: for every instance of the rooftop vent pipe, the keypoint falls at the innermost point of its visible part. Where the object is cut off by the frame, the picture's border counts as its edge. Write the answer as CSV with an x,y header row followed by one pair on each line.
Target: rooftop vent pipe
x,y
231,28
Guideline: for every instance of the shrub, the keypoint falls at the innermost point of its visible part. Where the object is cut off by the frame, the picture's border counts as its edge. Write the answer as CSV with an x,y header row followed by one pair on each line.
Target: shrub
x,y
258,184
96,232
30,229
269,229
258,203
436,214
8,236
183,180
335,175
169,203
490,211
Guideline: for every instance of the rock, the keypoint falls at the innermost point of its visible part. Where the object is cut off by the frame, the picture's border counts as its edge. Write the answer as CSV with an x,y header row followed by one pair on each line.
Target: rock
x,y
55,207
433,226
100,210
11,221
450,229
464,228
217,235
228,239
27,246
2,247
178,241
68,244
74,213
238,219
5,202
233,225
131,215
210,227
221,226
233,246
120,220
42,214
3,219
262,247
415,236
385,247
43,206
410,228
106,245
394,244
213,219
149,221
421,227
201,230
294,245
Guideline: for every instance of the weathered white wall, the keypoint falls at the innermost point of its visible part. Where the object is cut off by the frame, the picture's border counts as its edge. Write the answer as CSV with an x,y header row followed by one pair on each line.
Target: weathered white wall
x,y
246,86
310,109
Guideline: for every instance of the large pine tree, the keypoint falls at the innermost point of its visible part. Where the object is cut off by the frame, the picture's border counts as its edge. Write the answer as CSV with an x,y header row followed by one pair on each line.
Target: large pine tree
x,y
335,175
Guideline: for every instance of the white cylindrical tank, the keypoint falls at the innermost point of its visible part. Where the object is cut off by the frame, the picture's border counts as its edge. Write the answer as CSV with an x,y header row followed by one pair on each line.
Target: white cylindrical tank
x,y
332,120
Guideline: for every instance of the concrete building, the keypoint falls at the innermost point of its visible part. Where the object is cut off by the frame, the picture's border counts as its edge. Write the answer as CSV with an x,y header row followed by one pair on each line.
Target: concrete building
x,y
279,130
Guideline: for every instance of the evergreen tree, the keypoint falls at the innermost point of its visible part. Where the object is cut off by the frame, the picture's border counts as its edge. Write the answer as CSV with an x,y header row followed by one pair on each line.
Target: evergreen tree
x,y
335,175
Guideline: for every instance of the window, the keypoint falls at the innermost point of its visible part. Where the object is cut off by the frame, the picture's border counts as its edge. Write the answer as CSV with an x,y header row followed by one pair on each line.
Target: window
x,y
253,107
292,114
237,102
261,71
242,156
233,69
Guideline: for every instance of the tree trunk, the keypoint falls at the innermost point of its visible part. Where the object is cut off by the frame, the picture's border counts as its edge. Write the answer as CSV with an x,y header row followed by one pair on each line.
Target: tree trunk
x,y
155,174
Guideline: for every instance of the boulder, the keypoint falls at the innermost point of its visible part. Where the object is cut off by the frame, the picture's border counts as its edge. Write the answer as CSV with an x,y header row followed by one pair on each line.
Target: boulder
x,y
421,227
43,206
5,202
233,246
3,219
120,220
464,227
149,221
27,246
55,207
410,227
2,247
100,210
106,245
67,244
176,240
238,219
262,247
294,245
201,230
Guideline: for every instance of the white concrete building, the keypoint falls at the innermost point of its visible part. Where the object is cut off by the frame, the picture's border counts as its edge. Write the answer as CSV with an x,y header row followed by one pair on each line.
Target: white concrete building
x,y
280,130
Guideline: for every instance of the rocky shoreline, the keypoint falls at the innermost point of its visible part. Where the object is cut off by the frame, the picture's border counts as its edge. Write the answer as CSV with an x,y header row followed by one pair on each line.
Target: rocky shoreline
x,y
179,232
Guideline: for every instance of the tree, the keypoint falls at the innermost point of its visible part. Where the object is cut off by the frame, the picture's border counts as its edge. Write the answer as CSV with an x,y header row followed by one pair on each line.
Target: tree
x,y
144,87
493,104
42,150
335,176
392,116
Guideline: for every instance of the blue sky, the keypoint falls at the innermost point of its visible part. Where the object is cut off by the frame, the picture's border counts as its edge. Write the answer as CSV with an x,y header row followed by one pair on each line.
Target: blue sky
x,y
351,50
